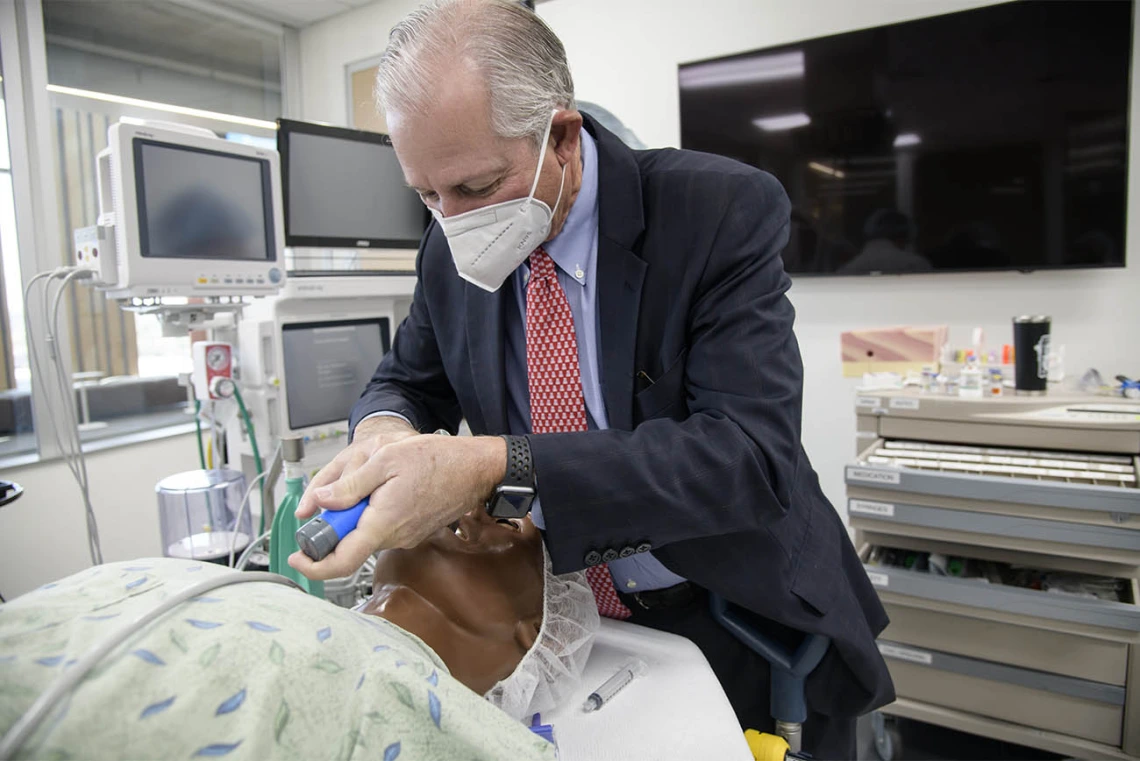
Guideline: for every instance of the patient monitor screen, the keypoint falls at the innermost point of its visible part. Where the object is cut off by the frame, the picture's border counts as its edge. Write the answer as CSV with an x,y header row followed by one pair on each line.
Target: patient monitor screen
x,y
327,365
200,204
341,188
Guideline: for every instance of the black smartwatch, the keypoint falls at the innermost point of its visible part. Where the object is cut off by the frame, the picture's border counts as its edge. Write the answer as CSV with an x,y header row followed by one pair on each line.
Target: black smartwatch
x,y
513,497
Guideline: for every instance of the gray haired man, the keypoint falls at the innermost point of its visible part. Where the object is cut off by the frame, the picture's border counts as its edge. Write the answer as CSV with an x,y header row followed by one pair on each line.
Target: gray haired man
x,y
613,326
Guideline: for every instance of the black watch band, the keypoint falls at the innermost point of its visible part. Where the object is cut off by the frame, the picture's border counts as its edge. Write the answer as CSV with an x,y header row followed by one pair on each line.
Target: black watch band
x,y
513,497
520,467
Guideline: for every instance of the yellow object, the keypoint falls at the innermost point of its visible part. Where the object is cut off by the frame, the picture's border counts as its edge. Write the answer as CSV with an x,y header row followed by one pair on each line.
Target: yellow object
x,y
766,747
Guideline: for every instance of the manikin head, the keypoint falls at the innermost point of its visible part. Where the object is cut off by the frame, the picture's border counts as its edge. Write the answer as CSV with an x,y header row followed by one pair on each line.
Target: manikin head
x,y
484,599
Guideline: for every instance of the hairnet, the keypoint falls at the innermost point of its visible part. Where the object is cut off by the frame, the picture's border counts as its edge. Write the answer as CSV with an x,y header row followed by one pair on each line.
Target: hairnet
x,y
552,668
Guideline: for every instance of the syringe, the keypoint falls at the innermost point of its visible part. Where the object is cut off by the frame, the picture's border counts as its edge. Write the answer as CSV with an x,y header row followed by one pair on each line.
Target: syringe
x,y
613,685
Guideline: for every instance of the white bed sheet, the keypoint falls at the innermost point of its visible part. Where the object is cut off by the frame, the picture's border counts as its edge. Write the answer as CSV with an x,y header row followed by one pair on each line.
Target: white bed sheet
x,y
676,711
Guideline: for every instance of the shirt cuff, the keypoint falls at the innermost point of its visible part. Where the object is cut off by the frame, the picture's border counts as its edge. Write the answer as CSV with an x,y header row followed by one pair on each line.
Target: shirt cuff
x,y
385,413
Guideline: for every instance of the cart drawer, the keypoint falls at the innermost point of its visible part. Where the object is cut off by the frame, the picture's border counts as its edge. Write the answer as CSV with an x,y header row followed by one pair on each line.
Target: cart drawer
x,y
1090,658
1080,708
1049,537
1098,485
1061,634
1033,606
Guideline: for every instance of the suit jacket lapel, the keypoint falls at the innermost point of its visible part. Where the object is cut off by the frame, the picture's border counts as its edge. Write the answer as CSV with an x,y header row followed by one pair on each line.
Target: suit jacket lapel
x,y
620,271
620,277
486,338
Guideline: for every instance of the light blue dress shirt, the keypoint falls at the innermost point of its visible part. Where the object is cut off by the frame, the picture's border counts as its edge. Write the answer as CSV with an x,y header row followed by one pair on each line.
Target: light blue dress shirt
x,y
575,252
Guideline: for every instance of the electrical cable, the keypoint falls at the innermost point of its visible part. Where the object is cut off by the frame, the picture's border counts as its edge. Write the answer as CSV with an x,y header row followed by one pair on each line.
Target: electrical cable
x,y
69,408
198,428
67,441
241,509
34,354
240,513
243,561
23,729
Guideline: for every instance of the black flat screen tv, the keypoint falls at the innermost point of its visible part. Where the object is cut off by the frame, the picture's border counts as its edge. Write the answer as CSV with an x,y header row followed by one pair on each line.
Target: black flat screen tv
x,y
988,139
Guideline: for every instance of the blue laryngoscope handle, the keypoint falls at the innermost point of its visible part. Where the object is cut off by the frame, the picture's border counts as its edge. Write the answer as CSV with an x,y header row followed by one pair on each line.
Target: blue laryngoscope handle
x,y
344,521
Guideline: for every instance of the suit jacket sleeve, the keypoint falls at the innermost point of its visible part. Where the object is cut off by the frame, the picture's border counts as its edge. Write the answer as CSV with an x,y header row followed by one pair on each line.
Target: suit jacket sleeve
x,y
410,379
726,466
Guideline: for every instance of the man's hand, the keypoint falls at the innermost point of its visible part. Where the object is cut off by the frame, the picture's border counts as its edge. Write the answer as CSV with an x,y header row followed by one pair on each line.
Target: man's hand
x,y
418,483
341,484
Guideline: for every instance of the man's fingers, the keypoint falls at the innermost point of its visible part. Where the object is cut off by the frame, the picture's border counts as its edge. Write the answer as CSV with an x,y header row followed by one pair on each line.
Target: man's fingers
x,y
348,556
309,504
354,484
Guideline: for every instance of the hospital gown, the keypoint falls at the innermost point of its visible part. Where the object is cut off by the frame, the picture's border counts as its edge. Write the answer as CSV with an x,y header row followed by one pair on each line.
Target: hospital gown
x,y
253,670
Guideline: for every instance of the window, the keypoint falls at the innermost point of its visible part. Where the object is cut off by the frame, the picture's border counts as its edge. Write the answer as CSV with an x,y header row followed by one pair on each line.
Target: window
x,y
16,430
149,59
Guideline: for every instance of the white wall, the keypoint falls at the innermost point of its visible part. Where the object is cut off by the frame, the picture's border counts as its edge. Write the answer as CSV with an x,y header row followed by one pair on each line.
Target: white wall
x,y
327,47
43,534
624,56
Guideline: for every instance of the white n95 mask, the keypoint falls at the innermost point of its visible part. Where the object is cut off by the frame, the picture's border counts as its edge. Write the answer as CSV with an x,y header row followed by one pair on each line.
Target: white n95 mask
x,y
490,243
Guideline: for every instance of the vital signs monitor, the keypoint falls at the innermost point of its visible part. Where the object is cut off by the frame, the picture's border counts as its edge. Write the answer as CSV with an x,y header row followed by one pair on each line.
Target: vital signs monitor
x,y
193,214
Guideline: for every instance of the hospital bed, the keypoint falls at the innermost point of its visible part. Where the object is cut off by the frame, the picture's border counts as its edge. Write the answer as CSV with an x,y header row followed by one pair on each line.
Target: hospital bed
x,y
678,710
675,711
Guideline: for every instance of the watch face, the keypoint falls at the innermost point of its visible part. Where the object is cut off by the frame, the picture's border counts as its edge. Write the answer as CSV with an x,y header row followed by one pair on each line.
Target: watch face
x,y
511,502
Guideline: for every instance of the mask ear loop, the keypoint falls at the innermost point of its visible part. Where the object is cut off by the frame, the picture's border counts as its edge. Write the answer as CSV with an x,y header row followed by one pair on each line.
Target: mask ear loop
x,y
541,155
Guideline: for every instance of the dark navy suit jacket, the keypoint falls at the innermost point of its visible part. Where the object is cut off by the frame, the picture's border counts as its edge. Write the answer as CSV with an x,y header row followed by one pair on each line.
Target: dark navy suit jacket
x,y
702,382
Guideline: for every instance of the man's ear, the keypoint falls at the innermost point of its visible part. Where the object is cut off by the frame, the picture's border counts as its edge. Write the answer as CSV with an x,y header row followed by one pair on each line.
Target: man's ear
x,y
526,631
566,133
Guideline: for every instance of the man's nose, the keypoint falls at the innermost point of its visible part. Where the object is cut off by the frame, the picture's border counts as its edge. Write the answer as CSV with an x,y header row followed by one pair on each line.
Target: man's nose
x,y
453,207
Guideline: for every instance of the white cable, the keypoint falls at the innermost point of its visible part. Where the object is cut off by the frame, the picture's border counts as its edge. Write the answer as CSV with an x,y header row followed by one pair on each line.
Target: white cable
x,y
34,355
73,428
243,561
244,502
65,682
241,512
78,458
70,447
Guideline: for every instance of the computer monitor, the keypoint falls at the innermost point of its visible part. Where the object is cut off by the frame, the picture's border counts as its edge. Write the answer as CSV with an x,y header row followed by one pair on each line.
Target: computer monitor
x,y
193,214
344,188
327,365
308,353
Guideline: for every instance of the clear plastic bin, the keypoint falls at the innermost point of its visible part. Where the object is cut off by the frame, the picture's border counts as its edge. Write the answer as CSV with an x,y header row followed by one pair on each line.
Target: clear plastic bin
x,y
197,513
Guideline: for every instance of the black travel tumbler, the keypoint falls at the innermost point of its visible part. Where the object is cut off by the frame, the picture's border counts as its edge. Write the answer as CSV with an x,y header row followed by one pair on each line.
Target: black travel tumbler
x,y
1031,354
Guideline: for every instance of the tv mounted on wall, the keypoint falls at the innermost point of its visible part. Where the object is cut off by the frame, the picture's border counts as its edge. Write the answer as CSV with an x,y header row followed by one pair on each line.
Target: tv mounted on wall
x,y
988,139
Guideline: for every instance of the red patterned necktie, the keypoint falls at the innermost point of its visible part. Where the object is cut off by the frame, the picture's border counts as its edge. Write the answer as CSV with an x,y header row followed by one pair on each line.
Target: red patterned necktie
x,y
555,381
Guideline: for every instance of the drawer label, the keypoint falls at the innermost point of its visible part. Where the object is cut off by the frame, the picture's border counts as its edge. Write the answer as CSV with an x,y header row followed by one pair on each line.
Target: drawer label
x,y
868,402
904,403
873,476
871,508
906,654
879,579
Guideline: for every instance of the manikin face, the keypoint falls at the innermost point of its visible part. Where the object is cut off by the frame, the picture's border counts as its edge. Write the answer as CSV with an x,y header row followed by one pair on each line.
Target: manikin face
x,y
474,595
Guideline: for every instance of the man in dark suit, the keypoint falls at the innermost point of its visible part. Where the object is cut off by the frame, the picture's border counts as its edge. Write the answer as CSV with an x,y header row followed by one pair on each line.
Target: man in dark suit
x,y
620,343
